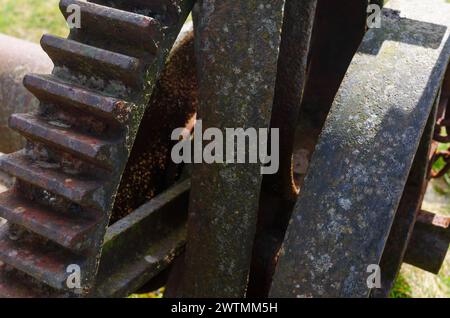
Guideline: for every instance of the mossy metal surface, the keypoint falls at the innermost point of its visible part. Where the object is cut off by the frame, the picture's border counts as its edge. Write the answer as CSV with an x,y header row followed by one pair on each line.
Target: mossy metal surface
x,y
237,50
343,216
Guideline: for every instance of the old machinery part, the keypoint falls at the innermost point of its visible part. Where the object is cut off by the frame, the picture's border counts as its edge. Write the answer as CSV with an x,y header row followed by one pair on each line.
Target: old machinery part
x,y
96,186
338,31
345,210
79,140
150,169
410,204
279,191
429,242
224,196
409,220
141,245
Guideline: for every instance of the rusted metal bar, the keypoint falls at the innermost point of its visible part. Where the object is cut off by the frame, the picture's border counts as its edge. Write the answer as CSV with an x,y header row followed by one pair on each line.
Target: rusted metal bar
x,y
338,30
413,194
429,242
290,83
342,219
156,228
150,169
279,190
237,50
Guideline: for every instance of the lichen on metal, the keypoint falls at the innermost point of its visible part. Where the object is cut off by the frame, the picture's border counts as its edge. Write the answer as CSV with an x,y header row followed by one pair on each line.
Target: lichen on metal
x,y
80,139
342,218
237,64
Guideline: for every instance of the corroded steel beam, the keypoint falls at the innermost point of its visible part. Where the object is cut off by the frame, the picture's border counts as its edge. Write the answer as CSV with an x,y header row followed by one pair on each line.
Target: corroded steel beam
x,y
237,50
291,77
142,244
150,169
279,190
342,219
429,242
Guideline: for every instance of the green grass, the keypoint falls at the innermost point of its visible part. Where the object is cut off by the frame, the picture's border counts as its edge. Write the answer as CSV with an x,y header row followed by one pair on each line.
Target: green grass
x,y
30,19
402,288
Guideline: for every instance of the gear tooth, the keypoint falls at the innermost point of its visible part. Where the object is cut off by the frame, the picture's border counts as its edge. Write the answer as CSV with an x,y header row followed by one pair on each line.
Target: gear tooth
x,y
130,29
66,229
89,147
69,96
90,61
75,189
37,259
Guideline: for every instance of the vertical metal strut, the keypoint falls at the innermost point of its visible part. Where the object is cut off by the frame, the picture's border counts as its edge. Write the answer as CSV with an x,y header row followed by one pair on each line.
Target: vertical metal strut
x,y
237,50
279,190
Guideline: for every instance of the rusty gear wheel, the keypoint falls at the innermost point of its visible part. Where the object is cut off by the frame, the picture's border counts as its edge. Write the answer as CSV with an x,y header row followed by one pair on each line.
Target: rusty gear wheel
x,y
79,142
